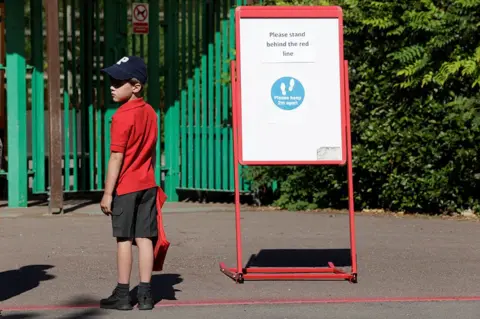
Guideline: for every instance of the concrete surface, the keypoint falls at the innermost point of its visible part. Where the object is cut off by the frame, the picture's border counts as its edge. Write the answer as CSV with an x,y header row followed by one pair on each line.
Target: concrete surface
x,y
60,266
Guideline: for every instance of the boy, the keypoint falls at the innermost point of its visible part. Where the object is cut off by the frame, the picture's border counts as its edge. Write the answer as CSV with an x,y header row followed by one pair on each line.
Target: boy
x,y
130,186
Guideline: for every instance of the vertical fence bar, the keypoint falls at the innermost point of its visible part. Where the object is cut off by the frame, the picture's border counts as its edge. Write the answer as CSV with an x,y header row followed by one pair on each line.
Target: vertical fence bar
x,y
225,102
176,150
142,46
86,76
218,12
3,105
191,152
225,10
211,123
172,84
98,110
82,129
171,114
110,54
66,100
154,94
74,96
16,103
202,108
183,110
134,44
88,93
183,50
168,37
197,151
190,38
168,72
176,145
121,28
198,14
218,101
38,107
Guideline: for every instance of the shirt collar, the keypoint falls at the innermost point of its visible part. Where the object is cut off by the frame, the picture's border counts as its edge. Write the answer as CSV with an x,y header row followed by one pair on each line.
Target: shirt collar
x,y
131,104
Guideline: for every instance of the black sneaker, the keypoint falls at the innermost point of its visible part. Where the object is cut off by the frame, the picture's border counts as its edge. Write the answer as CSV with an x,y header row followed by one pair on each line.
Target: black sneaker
x,y
117,301
145,301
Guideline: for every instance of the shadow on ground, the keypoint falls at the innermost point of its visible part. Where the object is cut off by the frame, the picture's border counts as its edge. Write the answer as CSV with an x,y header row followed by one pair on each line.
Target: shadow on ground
x,y
18,281
21,315
300,258
162,287
86,309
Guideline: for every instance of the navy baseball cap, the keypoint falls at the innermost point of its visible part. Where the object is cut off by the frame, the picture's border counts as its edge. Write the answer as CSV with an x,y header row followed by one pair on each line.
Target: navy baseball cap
x,y
127,68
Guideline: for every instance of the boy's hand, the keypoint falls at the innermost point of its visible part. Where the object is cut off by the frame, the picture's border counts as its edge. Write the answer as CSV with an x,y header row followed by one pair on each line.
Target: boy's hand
x,y
106,204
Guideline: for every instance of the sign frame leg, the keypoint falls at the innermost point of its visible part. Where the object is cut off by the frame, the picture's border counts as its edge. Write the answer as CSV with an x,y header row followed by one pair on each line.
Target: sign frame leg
x,y
235,274
351,204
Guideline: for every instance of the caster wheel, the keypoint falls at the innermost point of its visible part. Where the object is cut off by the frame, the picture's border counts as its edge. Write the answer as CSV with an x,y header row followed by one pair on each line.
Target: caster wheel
x,y
240,279
354,279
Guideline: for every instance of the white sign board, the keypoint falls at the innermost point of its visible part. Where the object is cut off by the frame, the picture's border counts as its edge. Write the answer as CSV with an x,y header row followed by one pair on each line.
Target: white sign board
x,y
140,18
291,90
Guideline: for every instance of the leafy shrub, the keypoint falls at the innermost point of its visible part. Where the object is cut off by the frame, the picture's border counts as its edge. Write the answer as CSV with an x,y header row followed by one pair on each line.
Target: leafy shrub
x,y
414,80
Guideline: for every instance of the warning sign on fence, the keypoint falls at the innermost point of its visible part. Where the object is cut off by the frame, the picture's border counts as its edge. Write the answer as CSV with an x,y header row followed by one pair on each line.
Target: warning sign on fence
x,y
140,18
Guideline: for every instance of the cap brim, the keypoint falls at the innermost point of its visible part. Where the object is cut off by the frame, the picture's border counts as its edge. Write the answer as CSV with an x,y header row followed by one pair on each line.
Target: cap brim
x,y
117,73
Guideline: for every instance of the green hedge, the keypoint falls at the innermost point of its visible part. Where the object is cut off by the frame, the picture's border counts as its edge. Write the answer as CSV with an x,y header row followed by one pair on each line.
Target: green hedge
x,y
414,79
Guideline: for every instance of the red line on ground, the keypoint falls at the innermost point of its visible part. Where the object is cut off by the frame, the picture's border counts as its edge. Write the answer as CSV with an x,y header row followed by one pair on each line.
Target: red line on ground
x,y
194,303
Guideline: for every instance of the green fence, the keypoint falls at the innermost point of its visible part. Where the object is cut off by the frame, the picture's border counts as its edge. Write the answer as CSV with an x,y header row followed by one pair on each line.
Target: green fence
x,y
25,132
188,49
207,44
95,34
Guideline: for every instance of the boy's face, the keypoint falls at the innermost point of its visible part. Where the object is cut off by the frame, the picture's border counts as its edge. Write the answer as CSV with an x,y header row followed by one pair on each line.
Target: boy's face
x,y
124,90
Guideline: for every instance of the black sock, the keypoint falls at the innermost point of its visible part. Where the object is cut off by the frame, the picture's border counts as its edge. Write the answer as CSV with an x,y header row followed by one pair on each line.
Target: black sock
x,y
123,289
144,287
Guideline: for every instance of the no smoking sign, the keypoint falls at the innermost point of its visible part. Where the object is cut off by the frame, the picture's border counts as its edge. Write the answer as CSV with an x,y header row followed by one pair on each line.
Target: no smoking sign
x,y
140,18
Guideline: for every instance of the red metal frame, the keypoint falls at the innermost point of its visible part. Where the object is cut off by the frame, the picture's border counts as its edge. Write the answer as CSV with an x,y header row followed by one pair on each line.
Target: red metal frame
x,y
239,274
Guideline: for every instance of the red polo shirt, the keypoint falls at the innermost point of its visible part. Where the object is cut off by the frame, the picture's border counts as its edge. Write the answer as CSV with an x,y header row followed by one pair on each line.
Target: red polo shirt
x,y
134,133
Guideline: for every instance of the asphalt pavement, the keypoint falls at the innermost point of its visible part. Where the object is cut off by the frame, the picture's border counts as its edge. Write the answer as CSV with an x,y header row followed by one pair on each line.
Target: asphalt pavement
x,y
60,266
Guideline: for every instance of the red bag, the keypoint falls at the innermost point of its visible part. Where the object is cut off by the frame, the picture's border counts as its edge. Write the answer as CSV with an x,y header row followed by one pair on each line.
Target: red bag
x,y
161,245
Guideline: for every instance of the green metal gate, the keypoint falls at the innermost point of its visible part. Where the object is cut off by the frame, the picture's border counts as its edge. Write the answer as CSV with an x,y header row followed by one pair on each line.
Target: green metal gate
x,y
23,79
187,50
96,34
206,44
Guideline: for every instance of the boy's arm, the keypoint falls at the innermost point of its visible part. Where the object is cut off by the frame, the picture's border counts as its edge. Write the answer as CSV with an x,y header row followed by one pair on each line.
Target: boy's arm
x,y
154,158
119,137
114,166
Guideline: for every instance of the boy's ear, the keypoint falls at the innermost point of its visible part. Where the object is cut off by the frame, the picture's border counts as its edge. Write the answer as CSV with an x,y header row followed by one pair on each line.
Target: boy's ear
x,y
137,87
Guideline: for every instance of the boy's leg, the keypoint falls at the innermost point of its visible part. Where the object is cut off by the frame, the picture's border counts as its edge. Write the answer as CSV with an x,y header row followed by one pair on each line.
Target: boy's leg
x,y
123,223
145,258
124,260
145,229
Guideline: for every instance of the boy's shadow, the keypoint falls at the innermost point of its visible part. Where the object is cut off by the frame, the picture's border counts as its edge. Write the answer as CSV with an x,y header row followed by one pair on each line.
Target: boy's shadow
x,y
162,288
17,281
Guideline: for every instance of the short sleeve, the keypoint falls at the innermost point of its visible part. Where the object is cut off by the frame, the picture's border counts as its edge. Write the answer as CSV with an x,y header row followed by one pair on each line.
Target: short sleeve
x,y
120,132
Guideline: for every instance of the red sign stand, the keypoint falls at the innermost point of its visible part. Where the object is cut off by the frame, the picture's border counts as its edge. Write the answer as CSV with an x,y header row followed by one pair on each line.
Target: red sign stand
x,y
239,274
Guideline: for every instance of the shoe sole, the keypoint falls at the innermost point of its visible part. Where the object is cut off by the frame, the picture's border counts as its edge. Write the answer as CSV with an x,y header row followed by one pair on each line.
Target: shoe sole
x,y
115,307
145,307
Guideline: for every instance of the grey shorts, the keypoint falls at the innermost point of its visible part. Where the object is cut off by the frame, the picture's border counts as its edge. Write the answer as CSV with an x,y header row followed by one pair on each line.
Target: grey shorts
x,y
134,215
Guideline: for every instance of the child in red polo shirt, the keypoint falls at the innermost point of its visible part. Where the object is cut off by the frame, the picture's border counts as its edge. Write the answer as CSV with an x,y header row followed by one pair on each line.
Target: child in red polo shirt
x,y
130,187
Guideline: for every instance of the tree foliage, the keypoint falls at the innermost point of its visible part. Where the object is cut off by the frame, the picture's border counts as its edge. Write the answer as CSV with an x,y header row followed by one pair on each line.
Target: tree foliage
x,y
414,81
